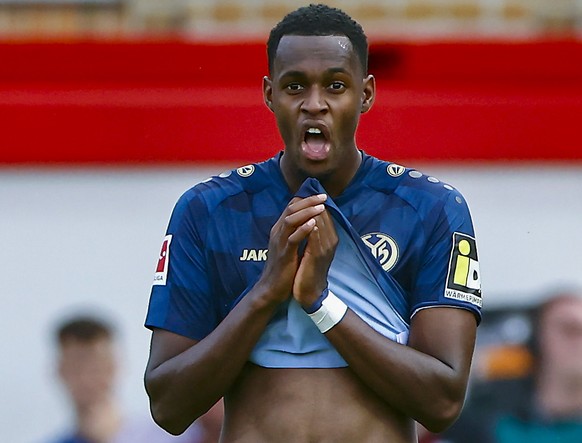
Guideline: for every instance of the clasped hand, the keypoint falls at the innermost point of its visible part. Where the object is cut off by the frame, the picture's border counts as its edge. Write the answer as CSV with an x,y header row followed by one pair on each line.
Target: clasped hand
x,y
305,221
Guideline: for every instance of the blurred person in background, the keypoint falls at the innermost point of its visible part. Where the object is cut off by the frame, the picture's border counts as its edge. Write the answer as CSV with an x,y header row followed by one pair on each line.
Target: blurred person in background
x,y
540,399
554,412
88,367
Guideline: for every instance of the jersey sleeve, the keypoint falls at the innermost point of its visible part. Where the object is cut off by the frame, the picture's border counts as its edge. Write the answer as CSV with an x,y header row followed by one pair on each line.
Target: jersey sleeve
x,y
181,299
449,274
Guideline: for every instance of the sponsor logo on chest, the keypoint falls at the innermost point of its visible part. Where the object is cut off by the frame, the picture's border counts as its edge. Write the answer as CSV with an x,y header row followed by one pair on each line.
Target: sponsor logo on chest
x,y
254,255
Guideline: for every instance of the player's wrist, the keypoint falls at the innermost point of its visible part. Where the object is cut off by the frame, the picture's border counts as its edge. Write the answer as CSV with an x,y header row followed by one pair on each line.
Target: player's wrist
x,y
310,309
266,296
327,311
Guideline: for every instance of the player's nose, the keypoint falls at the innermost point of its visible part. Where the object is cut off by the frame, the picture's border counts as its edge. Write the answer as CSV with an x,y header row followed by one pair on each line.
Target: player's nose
x,y
314,102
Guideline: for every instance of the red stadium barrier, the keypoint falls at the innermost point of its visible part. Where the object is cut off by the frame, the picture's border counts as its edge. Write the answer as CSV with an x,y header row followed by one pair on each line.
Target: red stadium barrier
x,y
157,102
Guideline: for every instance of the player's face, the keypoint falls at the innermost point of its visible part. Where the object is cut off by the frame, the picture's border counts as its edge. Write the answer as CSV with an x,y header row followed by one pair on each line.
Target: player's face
x,y
317,92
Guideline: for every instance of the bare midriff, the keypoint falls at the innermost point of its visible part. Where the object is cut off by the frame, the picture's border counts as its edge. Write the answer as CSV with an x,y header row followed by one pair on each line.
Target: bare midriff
x,y
309,406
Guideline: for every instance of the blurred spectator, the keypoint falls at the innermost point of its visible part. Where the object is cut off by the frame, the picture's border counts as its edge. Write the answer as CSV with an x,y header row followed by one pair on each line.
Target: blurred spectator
x,y
87,367
533,398
554,413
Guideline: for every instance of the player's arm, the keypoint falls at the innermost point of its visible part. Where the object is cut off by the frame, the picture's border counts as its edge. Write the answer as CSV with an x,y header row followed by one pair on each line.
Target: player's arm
x,y
427,379
185,377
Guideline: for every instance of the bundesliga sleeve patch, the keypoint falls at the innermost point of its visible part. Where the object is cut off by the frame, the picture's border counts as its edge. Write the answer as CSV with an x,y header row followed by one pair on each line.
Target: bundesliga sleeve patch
x,y
162,269
464,277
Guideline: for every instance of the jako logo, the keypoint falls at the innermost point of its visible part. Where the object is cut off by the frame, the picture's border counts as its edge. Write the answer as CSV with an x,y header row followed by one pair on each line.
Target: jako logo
x,y
254,255
383,248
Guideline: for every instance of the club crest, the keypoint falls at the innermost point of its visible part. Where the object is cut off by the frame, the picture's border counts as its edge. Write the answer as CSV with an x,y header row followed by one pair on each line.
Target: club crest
x,y
383,248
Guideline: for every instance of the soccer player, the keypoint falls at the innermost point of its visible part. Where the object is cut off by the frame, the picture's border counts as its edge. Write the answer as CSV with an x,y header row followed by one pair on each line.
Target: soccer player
x,y
327,295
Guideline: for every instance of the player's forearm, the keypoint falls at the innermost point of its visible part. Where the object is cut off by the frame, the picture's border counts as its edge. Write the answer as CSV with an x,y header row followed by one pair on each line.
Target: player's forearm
x,y
420,385
184,387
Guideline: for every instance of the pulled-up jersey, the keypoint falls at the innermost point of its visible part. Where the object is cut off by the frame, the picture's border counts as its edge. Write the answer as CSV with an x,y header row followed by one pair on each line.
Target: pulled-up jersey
x,y
406,243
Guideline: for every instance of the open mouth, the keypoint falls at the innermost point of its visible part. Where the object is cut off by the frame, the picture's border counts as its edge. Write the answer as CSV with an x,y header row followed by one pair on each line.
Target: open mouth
x,y
315,144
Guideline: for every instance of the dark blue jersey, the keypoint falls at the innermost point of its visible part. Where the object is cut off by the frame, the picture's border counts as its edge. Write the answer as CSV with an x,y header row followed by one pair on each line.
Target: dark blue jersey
x,y
409,236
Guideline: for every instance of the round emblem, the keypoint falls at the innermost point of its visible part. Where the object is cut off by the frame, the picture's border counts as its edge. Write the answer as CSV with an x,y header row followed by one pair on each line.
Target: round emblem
x,y
383,248
395,170
246,171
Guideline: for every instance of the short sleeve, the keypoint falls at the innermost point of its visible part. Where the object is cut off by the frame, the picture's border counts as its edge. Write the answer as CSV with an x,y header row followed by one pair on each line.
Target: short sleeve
x,y
449,274
181,299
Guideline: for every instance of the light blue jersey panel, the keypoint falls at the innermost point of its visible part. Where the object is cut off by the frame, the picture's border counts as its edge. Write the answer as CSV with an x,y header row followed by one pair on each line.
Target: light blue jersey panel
x,y
351,279
291,340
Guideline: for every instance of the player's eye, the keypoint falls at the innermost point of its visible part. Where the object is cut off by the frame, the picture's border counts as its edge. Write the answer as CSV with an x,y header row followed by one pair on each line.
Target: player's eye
x,y
337,86
294,87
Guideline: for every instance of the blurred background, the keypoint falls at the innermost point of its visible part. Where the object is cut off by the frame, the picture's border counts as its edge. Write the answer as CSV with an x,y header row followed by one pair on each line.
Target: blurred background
x,y
110,109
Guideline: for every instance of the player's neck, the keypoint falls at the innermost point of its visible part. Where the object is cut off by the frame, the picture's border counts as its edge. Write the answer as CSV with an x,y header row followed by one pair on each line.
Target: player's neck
x,y
334,181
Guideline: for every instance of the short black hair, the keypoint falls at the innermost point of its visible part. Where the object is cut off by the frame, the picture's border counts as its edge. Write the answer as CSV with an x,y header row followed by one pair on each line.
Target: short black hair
x,y
84,328
322,20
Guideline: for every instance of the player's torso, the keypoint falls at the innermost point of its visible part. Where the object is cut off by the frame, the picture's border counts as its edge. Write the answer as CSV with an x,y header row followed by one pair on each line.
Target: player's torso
x,y
317,405
309,405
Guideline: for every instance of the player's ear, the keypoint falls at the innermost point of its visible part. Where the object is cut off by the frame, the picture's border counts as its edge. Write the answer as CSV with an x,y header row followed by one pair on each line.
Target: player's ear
x,y
368,93
268,92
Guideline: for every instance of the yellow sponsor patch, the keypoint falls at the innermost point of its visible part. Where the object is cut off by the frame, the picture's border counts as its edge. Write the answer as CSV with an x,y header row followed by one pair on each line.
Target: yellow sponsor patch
x,y
464,276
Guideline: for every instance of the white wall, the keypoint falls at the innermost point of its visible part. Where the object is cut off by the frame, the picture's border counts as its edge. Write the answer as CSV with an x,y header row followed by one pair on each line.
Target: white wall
x,y
76,238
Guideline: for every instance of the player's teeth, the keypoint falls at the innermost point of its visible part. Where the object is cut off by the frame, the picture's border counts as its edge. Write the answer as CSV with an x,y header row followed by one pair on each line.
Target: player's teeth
x,y
314,131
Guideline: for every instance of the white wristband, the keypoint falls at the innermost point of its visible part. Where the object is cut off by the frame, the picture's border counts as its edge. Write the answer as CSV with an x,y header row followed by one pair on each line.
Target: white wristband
x,y
331,312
